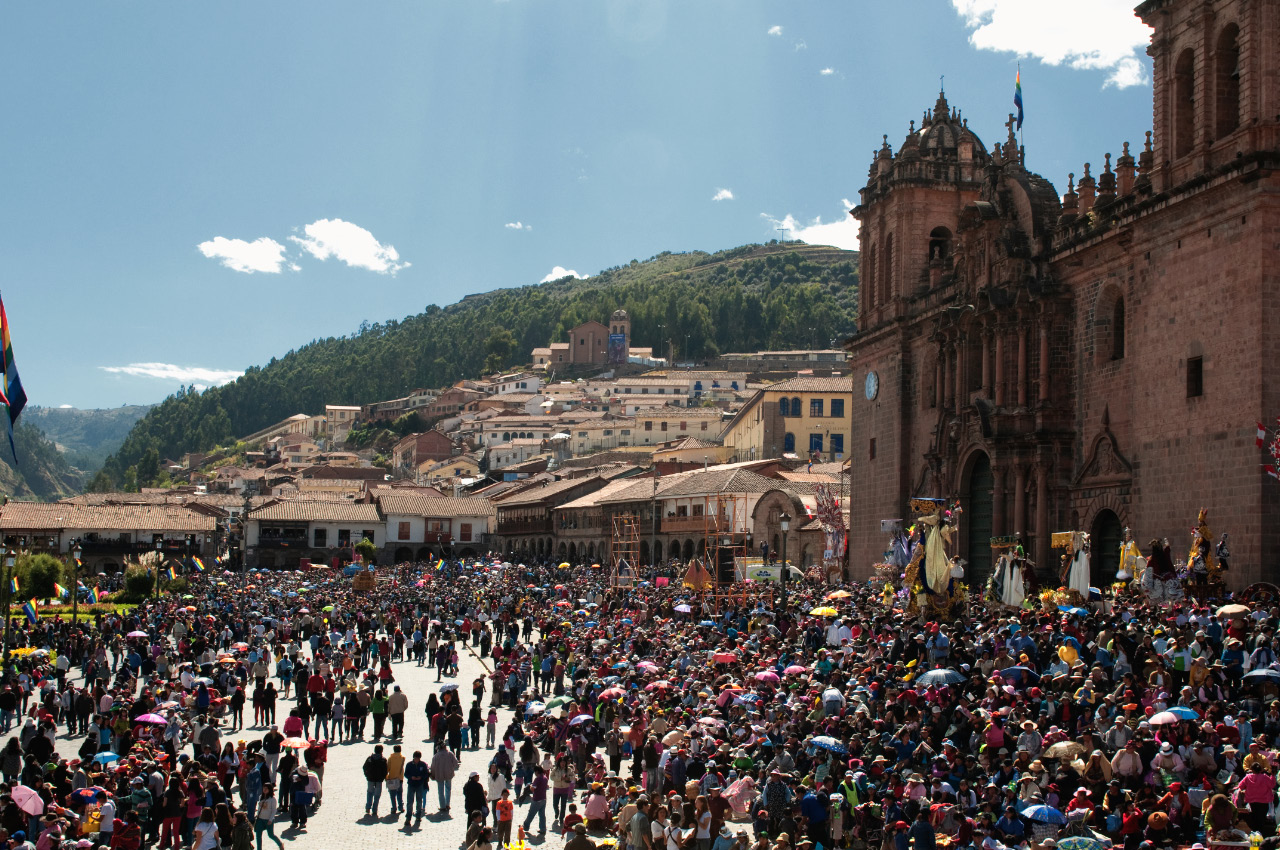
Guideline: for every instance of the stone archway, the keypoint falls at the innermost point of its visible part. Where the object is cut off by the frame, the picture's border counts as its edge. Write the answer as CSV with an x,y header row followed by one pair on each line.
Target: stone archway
x,y
979,482
573,553
1105,535
657,552
424,554
688,550
644,552
403,554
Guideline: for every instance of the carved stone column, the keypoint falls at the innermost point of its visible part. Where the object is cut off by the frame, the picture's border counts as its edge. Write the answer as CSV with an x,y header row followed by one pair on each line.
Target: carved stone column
x,y
1043,532
997,501
1020,498
940,380
985,337
1022,366
1044,361
999,370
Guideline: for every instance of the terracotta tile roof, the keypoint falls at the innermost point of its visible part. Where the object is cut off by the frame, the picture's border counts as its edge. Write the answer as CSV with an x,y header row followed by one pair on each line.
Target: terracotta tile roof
x,y
591,500
17,516
533,495
679,412
316,510
813,385
721,481
412,504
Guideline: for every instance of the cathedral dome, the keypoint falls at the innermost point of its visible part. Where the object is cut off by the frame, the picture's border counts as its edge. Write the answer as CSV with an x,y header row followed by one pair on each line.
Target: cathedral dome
x,y
943,133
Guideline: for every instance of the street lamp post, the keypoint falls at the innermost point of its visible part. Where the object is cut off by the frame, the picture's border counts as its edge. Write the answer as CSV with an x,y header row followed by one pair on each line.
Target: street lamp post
x,y
155,580
785,522
75,582
9,559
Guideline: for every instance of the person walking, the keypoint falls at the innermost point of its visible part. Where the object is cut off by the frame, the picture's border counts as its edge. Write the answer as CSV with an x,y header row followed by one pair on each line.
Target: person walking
x,y
395,779
266,817
506,813
415,776
537,800
375,773
397,705
444,766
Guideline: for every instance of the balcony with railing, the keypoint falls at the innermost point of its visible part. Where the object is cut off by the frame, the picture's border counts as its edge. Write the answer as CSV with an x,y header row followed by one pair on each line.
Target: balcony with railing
x,y
525,526
684,524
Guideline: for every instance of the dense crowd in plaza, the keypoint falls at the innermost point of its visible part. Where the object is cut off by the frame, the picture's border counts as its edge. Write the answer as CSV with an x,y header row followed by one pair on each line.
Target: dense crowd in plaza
x,y
650,717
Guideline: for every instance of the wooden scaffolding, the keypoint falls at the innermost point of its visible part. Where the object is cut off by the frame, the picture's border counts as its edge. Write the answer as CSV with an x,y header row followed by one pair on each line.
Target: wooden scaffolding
x,y
624,550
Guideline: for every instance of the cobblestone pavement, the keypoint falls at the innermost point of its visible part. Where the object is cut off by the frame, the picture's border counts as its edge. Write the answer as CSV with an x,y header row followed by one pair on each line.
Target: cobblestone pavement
x,y
341,824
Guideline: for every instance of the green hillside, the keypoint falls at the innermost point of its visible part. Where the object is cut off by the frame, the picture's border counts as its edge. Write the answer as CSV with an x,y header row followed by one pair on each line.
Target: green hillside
x,y
744,299
41,473
86,437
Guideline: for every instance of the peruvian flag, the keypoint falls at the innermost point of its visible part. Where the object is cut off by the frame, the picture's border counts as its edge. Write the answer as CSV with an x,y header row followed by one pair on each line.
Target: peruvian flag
x,y
1262,435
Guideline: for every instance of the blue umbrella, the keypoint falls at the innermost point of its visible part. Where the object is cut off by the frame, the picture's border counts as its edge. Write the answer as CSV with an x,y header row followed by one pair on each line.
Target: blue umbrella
x,y
943,676
621,665
1074,611
1263,674
626,621
1184,712
1044,814
826,742
1019,673
105,756
707,623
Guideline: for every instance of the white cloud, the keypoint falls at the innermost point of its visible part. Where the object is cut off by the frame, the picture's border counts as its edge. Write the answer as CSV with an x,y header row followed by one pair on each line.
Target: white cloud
x,y
561,272
66,407
841,232
181,374
722,195
350,243
827,72
517,225
800,45
1087,34
260,255
775,30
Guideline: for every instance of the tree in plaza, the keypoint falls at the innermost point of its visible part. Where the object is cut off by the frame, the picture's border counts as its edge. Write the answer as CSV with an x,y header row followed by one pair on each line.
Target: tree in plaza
x,y
37,574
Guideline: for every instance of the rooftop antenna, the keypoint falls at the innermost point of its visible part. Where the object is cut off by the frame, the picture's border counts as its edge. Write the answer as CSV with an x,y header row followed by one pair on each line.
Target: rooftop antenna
x,y
942,87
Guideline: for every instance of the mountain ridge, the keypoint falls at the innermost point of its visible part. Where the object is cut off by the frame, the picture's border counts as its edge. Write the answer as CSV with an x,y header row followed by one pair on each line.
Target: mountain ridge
x,y
779,295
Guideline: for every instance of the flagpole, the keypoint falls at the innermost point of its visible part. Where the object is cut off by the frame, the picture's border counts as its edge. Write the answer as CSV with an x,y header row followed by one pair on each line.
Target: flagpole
x,y
1022,142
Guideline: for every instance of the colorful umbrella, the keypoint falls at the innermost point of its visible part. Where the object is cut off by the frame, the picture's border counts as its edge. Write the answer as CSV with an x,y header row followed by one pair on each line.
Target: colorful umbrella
x,y
824,611
1044,814
28,799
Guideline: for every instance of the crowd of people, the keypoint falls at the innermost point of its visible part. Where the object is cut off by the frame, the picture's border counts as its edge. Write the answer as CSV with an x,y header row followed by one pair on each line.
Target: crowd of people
x,y
650,717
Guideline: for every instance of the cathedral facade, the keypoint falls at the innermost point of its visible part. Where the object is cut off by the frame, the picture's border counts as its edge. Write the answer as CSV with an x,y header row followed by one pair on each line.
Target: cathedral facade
x,y
1088,360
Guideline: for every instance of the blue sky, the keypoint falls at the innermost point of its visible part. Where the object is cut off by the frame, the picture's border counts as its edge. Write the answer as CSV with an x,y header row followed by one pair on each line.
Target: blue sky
x,y
191,189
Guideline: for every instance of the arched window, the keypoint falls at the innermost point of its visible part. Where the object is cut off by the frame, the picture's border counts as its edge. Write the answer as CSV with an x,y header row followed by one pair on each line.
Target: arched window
x,y
939,244
1184,86
869,280
789,443
1226,83
795,406
784,407
506,436
1117,330
886,279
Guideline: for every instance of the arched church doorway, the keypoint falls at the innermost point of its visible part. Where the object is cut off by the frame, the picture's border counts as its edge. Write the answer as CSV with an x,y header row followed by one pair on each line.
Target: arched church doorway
x,y
1104,548
977,516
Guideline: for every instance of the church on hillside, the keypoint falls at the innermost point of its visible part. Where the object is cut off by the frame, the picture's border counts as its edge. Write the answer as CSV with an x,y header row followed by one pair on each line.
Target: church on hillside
x,y
594,344
1092,359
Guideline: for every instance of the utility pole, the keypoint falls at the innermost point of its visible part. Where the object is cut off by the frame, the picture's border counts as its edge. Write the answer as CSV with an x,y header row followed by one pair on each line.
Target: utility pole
x,y
783,231
653,513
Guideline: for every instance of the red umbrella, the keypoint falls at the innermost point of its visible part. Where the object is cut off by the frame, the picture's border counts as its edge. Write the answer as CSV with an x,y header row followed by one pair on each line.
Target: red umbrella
x,y
612,693
658,686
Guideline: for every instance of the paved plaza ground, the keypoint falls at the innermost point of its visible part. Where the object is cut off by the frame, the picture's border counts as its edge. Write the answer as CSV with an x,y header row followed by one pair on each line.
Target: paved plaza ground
x,y
341,824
